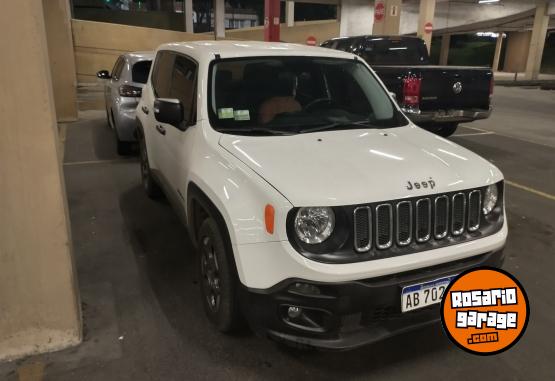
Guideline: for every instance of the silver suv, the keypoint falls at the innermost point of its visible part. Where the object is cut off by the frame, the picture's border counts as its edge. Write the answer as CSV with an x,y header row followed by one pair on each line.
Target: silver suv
x,y
123,88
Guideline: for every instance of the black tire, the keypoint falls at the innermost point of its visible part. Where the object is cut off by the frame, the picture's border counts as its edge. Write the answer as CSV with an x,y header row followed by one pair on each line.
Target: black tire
x,y
218,278
124,148
446,129
152,189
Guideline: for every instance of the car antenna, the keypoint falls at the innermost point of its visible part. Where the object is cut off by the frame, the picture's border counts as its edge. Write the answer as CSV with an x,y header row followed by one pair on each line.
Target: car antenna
x,y
217,56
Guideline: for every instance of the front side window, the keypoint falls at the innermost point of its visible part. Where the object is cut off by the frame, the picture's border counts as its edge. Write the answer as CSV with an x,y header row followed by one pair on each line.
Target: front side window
x,y
296,95
162,74
183,85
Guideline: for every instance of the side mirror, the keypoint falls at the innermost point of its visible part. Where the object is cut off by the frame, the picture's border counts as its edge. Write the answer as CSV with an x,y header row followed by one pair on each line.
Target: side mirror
x,y
103,74
168,111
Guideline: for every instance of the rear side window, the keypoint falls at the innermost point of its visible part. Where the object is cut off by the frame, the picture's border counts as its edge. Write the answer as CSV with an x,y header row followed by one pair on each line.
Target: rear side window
x,y
140,71
410,51
162,74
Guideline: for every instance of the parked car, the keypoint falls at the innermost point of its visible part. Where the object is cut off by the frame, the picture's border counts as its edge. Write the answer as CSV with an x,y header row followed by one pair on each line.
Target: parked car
x,y
122,91
319,211
436,98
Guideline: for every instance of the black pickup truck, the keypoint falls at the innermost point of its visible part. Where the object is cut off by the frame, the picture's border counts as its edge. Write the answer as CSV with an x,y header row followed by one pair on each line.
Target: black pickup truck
x,y
436,98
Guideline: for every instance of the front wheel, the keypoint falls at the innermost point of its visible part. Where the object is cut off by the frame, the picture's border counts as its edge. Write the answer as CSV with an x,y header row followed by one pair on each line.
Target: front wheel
x,y
218,278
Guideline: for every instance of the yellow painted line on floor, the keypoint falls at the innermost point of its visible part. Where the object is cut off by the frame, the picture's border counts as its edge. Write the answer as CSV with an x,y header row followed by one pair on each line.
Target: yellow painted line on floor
x,y
531,190
31,372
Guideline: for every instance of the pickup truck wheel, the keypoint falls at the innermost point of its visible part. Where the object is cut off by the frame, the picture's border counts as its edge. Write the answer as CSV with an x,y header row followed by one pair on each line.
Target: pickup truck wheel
x,y
446,129
218,279
150,186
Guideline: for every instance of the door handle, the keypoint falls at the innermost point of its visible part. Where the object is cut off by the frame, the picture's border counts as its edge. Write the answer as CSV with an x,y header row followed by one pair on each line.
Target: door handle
x,y
160,129
145,109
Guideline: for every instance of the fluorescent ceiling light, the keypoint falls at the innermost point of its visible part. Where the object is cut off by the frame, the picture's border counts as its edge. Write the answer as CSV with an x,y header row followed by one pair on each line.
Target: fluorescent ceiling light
x,y
487,1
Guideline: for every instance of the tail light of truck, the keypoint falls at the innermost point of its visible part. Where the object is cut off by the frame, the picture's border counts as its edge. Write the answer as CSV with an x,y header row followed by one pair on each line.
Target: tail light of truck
x,y
411,92
130,91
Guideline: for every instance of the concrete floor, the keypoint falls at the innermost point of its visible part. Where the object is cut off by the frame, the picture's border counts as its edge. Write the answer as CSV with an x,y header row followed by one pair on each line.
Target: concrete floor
x,y
142,312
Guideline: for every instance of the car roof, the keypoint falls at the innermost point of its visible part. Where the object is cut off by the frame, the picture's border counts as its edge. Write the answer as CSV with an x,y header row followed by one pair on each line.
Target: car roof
x,y
139,56
207,50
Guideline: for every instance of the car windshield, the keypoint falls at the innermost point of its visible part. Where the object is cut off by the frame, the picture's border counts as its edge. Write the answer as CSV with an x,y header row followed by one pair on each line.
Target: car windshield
x,y
290,95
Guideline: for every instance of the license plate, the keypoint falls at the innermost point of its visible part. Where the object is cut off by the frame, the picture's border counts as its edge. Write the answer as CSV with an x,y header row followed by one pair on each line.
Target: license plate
x,y
425,294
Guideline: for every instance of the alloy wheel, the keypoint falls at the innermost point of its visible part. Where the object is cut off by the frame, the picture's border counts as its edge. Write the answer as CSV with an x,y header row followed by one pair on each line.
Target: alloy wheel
x,y
210,274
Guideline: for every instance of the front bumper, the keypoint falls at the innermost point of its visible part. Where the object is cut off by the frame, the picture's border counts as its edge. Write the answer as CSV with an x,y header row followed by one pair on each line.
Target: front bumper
x,y
348,314
447,116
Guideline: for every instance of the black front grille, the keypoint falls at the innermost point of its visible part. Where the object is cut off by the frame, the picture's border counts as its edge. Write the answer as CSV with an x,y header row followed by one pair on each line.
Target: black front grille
x,y
417,221
384,226
363,228
404,223
458,212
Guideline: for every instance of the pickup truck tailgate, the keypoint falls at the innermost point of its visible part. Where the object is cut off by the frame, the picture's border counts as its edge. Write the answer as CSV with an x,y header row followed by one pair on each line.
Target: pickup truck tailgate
x,y
441,84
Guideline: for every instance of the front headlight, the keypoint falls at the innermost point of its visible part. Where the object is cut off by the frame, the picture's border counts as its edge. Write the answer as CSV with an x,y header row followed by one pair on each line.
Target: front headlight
x,y
490,199
314,224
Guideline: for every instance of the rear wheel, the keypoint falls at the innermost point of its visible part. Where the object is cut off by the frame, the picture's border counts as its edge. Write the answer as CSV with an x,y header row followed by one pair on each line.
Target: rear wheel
x,y
218,278
152,189
445,129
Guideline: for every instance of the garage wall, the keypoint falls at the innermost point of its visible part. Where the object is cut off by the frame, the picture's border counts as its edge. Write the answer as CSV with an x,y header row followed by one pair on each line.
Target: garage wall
x,y
98,44
323,30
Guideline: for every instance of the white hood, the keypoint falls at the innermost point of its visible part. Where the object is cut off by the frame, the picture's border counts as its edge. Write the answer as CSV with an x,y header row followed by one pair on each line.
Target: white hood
x,y
360,166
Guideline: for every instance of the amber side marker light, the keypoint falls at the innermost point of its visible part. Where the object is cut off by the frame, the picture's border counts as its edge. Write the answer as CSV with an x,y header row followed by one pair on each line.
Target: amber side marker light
x,y
269,214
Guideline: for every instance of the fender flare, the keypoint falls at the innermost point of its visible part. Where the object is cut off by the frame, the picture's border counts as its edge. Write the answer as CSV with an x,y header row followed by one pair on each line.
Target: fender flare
x,y
197,198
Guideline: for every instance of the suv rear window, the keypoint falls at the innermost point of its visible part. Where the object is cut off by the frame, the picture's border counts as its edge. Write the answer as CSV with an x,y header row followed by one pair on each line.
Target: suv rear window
x,y
140,71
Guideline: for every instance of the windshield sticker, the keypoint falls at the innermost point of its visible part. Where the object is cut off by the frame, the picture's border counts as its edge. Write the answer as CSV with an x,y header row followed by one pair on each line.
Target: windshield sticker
x,y
225,113
241,115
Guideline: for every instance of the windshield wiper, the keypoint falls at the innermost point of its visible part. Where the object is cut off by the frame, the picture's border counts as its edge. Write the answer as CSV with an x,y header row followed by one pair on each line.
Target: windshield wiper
x,y
338,126
256,131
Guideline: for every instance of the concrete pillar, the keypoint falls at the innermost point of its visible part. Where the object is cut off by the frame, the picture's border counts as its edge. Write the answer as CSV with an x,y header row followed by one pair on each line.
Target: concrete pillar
x,y
219,19
39,304
497,54
387,17
426,20
444,52
537,42
271,20
61,57
290,13
518,44
356,17
188,12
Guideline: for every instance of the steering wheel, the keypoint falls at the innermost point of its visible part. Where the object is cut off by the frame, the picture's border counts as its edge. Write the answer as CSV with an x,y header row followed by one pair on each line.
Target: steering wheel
x,y
316,102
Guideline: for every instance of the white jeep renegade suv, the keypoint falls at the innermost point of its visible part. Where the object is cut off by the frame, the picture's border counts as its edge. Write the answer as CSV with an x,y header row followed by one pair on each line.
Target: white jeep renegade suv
x,y
321,213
